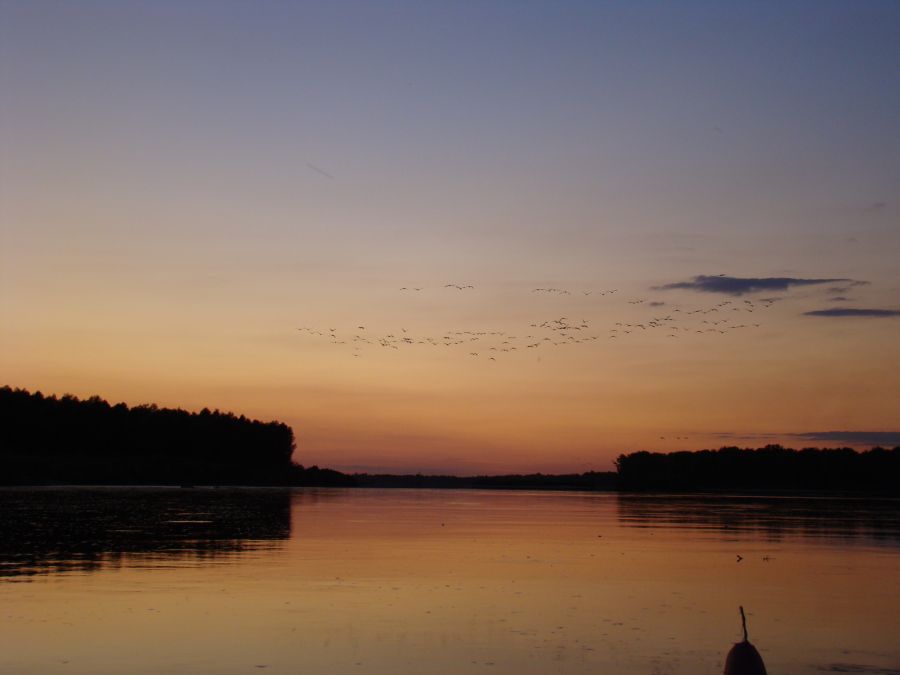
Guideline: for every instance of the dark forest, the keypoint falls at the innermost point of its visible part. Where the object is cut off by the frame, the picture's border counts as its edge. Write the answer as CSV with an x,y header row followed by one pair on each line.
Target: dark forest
x,y
49,440
45,440
773,468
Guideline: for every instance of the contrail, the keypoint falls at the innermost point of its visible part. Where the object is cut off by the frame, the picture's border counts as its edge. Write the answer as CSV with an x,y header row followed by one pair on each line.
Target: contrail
x,y
318,170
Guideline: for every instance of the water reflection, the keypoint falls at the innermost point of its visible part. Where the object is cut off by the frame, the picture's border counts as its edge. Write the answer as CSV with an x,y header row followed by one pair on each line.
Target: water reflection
x,y
434,581
64,529
876,521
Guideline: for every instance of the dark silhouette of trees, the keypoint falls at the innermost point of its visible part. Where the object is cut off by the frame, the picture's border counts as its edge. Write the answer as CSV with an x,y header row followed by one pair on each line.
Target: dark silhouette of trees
x,y
50,440
770,468
46,440
591,480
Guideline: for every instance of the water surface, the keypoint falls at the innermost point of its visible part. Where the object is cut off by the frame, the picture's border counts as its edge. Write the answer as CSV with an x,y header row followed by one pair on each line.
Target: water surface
x,y
421,581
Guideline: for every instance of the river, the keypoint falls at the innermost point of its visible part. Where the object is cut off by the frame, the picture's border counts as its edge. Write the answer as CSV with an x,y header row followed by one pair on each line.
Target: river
x,y
143,580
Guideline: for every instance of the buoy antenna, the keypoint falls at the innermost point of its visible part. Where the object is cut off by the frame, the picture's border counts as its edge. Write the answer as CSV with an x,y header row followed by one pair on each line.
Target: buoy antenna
x,y
743,622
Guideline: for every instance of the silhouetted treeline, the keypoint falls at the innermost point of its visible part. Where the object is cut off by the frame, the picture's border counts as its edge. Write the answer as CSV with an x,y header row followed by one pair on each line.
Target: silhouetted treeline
x,y
49,440
591,480
770,468
313,476
65,440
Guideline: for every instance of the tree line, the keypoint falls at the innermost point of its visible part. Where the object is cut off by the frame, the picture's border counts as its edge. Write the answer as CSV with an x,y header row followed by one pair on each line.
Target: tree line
x,y
770,468
588,481
67,440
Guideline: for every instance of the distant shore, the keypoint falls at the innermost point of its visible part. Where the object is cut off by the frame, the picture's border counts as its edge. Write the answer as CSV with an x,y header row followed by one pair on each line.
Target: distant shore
x,y
589,481
45,440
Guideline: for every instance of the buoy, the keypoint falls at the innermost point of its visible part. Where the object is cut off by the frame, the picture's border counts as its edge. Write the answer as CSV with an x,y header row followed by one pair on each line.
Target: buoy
x,y
743,659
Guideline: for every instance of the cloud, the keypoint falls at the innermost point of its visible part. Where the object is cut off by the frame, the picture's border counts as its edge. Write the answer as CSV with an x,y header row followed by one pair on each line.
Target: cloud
x,y
883,438
847,311
840,290
875,207
739,286
850,438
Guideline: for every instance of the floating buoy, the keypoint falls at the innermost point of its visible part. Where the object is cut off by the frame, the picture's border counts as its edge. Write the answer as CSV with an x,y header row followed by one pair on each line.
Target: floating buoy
x,y
743,659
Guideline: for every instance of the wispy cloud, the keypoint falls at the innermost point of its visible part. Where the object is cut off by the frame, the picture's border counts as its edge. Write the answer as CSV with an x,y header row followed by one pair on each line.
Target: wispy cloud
x,y
868,438
883,438
848,311
840,290
740,285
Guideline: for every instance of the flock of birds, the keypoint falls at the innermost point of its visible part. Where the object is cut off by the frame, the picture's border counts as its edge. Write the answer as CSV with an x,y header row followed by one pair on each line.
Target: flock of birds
x,y
558,332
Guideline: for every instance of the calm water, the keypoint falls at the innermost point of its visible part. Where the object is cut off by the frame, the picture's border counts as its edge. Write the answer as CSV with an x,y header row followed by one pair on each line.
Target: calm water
x,y
418,581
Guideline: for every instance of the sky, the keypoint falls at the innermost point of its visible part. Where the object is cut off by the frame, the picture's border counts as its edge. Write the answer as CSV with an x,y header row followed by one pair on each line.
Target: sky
x,y
675,225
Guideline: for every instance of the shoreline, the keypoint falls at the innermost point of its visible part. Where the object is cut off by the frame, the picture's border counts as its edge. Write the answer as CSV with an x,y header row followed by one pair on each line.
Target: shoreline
x,y
669,494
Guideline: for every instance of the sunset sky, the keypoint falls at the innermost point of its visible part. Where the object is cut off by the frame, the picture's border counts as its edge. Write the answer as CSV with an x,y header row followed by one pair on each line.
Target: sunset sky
x,y
184,185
